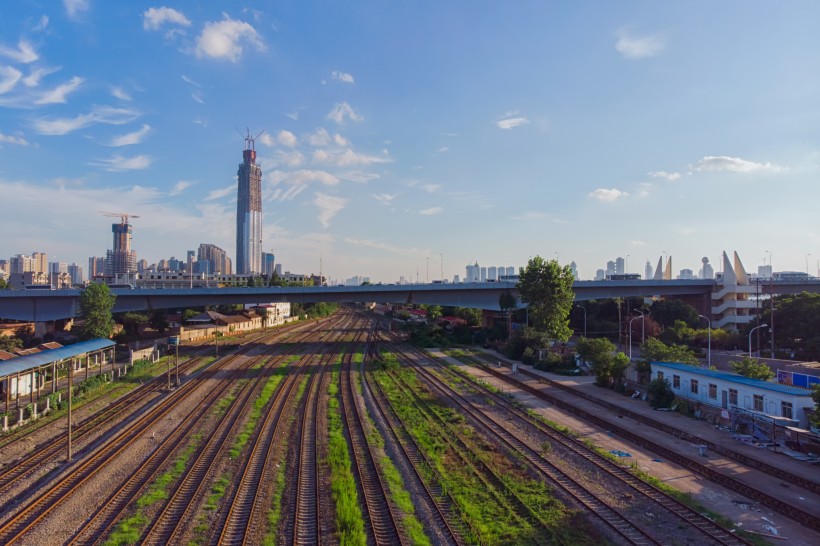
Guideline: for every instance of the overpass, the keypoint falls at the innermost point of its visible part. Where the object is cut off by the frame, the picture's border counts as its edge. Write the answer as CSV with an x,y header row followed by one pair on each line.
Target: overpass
x,y
48,305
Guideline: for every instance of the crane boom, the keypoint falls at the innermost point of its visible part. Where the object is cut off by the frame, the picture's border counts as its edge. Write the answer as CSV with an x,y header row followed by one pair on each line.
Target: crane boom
x,y
123,216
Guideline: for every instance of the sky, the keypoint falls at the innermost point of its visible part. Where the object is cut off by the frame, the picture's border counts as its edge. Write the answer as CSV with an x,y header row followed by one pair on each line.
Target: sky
x,y
411,138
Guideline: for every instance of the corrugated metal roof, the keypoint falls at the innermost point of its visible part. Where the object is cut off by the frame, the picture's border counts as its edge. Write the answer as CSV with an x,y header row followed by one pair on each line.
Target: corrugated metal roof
x,y
735,378
25,363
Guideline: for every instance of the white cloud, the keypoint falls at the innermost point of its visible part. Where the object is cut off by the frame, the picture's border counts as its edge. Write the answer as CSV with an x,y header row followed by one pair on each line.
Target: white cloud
x,y
153,18
425,186
9,76
34,77
117,163
58,94
329,206
190,81
733,164
267,140
220,193
287,194
302,176
293,115
179,187
665,175
340,141
378,245
197,98
23,54
75,8
347,158
120,93
431,211
637,243
384,198
342,76
320,138
42,24
291,159
10,139
100,114
511,120
530,215
638,47
286,138
342,110
225,39
131,138
358,176
603,194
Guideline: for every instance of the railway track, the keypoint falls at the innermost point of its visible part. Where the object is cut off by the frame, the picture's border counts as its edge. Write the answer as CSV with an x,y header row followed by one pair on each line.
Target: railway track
x,y
618,523
709,528
801,516
380,514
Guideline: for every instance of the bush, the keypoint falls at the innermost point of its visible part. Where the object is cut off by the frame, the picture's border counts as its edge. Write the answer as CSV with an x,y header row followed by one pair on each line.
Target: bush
x,y
661,394
528,356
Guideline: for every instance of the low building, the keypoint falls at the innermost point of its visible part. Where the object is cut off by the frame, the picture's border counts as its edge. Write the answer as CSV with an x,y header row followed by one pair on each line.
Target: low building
x,y
276,313
726,392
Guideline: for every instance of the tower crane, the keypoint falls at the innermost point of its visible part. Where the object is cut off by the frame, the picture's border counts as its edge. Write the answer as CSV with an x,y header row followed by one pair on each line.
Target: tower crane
x,y
123,216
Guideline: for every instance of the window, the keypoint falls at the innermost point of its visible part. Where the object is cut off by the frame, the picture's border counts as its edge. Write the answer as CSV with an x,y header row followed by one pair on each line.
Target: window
x,y
660,375
713,391
786,410
694,386
733,397
758,402
676,381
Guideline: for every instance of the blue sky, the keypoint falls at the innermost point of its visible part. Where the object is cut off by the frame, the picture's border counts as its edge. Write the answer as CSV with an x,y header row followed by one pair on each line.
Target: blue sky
x,y
401,133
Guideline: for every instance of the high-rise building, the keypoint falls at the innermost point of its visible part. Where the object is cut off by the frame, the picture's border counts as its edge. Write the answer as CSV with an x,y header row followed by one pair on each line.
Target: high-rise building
x,y
492,274
212,260
483,274
75,271
96,267
121,260
40,262
21,264
189,263
473,273
619,266
249,213
648,272
574,268
268,263
706,272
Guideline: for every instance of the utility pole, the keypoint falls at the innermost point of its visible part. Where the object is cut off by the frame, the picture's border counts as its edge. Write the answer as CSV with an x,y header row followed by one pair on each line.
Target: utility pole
x,y
70,388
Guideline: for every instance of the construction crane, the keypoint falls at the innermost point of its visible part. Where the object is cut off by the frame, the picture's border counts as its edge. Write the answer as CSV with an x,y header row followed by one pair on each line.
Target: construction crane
x,y
123,216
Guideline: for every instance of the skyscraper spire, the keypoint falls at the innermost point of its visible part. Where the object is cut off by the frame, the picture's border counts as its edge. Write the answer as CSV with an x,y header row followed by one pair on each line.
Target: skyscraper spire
x,y
249,211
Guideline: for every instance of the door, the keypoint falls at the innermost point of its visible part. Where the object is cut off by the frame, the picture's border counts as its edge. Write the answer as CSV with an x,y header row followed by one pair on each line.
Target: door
x,y
725,400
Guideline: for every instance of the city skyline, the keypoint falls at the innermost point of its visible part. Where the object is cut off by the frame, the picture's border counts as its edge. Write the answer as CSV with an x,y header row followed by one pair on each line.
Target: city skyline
x,y
397,135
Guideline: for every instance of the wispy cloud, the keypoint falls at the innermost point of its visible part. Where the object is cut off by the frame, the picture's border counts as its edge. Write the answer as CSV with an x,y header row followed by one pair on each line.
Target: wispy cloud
x,y
179,187
387,247
290,158
58,94
431,211
302,176
511,120
34,77
75,8
342,76
119,163
637,243
11,139
424,186
638,47
23,54
528,216
9,76
226,39
734,164
358,176
100,114
120,93
286,138
220,193
347,158
286,194
665,175
329,206
197,98
190,81
384,198
603,194
131,138
42,24
154,18
341,111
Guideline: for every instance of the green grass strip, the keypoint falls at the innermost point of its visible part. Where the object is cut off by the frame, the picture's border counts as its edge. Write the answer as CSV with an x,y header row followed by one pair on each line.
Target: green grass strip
x,y
258,405
400,495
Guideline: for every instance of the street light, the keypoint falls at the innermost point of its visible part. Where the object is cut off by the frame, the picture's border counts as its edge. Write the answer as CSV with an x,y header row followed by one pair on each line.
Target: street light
x,y
709,351
750,336
630,333
807,263
584,309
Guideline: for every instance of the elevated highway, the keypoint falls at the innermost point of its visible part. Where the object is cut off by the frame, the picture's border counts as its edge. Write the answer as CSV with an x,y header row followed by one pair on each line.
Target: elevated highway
x,y
47,305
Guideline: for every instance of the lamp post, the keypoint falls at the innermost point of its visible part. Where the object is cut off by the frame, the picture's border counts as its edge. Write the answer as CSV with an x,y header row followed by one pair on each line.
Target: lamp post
x,y
584,309
750,336
441,255
630,333
709,350
807,263
428,269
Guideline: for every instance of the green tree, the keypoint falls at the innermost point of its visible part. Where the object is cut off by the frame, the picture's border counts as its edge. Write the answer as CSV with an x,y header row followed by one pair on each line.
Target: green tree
x,y
608,366
654,350
592,349
158,321
668,311
4,285
96,303
546,288
10,343
752,368
433,312
660,393
131,323
815,395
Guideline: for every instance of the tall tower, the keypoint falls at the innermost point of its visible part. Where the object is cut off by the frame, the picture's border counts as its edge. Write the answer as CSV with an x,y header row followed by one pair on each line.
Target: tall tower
x,y
121,260
249,212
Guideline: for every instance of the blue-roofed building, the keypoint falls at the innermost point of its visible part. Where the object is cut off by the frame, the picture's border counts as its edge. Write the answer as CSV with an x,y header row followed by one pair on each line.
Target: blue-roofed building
x,y
726,391
29,374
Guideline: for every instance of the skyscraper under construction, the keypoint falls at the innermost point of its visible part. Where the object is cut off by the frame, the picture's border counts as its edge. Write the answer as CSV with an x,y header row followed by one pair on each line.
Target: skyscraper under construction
x,y
249,212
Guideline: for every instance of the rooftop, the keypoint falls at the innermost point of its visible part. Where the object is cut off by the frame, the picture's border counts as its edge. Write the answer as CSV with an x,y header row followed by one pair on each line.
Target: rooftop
x,y
735,378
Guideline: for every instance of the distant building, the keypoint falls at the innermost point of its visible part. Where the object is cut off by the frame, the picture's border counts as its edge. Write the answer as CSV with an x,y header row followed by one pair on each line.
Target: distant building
x,y
574,268
96,267
121,260
648,272
686,274
142,266
492,274
483,274
278,270
620,268
473,273
40,262
249,212
600,275
21,263
75,271
213,260
190,258
268,263
706,271
764,271
511,271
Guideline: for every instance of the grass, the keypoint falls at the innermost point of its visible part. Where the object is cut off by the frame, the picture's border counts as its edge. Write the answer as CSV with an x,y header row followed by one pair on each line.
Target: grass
x,y
256,411
400,495
129,530
349,518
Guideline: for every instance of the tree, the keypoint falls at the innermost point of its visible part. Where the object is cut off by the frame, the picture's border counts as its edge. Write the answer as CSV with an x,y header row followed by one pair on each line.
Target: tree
x,y
815,395
158,321
4,285
668,311
608,366
660,393
654,350
752,368
433,312
546,288
131,323
10,343
96,302
592,349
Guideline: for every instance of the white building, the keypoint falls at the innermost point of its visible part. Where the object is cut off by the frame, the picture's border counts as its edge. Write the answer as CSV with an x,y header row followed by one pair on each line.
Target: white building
x,y
727,390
